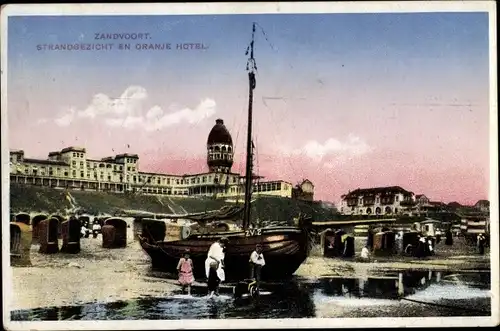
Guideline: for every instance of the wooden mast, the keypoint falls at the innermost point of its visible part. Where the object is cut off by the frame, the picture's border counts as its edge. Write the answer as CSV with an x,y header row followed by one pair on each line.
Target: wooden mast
x,y
248,171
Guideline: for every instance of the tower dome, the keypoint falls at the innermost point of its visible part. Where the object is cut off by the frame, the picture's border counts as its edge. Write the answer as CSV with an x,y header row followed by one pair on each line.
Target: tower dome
x,y
219,148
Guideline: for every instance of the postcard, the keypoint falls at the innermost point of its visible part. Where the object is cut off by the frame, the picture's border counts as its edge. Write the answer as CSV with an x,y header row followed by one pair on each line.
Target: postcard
x,y
227,165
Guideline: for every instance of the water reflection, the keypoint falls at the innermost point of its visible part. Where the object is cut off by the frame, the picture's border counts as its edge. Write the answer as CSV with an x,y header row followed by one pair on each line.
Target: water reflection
x,y
390,294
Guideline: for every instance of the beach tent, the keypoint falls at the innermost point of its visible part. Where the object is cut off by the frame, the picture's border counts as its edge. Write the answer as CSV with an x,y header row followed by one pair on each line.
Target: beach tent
x,y
383,243
71,236
20,244
48,231
116,237
34,224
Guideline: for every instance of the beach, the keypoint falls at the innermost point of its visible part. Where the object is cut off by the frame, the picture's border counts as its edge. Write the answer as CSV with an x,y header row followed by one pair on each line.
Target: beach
x,y
106,275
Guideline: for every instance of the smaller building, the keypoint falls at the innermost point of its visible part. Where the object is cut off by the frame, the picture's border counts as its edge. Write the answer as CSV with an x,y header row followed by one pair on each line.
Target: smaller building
x,y
304,191
421,199
390,200
483,206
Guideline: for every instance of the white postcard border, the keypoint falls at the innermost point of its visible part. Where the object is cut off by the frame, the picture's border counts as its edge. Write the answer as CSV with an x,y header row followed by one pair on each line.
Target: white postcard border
x,y
255,8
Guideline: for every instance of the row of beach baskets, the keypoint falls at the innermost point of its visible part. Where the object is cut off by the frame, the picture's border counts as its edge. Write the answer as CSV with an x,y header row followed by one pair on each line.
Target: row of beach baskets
x,y
48,231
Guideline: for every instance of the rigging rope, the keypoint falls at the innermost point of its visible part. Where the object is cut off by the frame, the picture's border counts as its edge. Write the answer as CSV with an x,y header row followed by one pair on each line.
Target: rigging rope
x,y
283,99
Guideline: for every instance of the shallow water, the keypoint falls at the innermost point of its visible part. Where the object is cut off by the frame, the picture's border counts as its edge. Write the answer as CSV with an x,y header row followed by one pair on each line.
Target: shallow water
x,y
395,294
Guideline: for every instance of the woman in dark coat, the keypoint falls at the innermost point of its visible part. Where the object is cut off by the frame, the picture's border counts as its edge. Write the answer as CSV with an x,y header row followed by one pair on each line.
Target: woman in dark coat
x,y
449,238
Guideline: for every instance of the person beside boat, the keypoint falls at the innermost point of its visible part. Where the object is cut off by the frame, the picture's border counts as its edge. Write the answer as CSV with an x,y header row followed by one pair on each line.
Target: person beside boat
x,y
185,268
215,262
213,282
256,263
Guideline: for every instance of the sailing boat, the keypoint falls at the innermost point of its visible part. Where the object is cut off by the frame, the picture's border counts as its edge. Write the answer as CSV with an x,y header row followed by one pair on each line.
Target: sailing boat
x,y
285,247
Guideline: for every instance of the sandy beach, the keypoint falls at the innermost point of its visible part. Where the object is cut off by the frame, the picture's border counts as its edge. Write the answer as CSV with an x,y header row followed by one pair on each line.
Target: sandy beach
x,y
105,275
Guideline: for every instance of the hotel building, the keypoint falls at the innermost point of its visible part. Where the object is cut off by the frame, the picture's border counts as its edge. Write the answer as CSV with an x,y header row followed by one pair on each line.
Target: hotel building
x,y
392,200
72,168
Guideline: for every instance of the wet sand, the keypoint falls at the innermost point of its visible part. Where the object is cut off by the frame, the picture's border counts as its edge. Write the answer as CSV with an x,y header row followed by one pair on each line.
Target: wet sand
x,y
95,274
105,275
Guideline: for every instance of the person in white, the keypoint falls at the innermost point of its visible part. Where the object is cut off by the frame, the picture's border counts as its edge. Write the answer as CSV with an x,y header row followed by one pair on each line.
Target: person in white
x,y
256,262
96,227
216,255
365,253
83,231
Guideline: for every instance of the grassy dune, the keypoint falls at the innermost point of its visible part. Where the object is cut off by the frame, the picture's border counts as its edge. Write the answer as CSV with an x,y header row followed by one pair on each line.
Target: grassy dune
x,y
47,200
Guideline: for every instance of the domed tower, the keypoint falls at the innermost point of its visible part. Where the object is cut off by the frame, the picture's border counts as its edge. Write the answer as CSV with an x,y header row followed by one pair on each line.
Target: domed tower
x,y
219,148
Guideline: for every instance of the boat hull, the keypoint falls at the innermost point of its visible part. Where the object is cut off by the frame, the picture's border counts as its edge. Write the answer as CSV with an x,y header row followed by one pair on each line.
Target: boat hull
x,y
284,249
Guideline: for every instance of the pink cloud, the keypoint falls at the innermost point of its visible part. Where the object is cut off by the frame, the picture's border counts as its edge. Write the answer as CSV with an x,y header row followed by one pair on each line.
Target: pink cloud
x,y
439,181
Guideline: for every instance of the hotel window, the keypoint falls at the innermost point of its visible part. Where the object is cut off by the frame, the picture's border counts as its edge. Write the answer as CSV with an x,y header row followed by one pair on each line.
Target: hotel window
x,y
198,180
65,174
81,163
397,198
95,175
204,179
159,181
74,163
127,178
135,179
82,174
88,174
74,154
109,178
168,181
74,173
278,186
177,182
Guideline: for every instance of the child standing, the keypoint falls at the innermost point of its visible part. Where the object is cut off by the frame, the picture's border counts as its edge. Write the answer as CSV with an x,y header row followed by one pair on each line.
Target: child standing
x,y
185,268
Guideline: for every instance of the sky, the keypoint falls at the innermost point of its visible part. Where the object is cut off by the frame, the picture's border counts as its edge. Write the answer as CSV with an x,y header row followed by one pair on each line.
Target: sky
x,y
345,100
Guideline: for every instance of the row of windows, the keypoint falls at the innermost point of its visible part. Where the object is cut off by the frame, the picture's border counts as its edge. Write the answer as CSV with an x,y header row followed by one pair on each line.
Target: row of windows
x,y
369,211
219,156
130,160
57,171
266,187
78,154
368,201
217,149
164,191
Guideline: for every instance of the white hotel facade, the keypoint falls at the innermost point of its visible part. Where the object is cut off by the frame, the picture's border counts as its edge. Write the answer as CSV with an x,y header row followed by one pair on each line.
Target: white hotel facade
x,y
71,168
